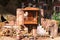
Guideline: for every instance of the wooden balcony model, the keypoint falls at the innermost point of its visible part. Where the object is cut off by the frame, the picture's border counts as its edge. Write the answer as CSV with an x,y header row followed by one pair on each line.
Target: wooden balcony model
x,y
32,15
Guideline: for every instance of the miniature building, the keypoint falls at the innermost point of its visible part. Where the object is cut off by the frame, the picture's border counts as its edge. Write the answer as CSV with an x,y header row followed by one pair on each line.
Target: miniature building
x,y
29,16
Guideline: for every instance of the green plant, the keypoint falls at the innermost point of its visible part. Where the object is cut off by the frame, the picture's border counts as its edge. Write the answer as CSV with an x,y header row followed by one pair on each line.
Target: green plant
x,y
56,16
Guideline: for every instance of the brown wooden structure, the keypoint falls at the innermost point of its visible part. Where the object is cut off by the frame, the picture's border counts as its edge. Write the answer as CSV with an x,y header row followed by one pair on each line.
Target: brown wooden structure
x,y
32,17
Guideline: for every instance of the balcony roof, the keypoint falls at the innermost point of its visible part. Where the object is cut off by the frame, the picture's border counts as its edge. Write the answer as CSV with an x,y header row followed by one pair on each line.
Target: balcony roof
x,y
31,8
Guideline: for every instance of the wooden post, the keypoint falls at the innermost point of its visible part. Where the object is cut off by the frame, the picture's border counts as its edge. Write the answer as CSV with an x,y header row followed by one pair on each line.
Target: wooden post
x,y
34,30
54,29
42,12
19,22
20,17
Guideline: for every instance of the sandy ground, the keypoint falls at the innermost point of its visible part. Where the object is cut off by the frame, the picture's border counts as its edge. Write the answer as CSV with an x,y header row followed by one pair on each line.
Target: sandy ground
x,y
57,38
40,38
7,38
